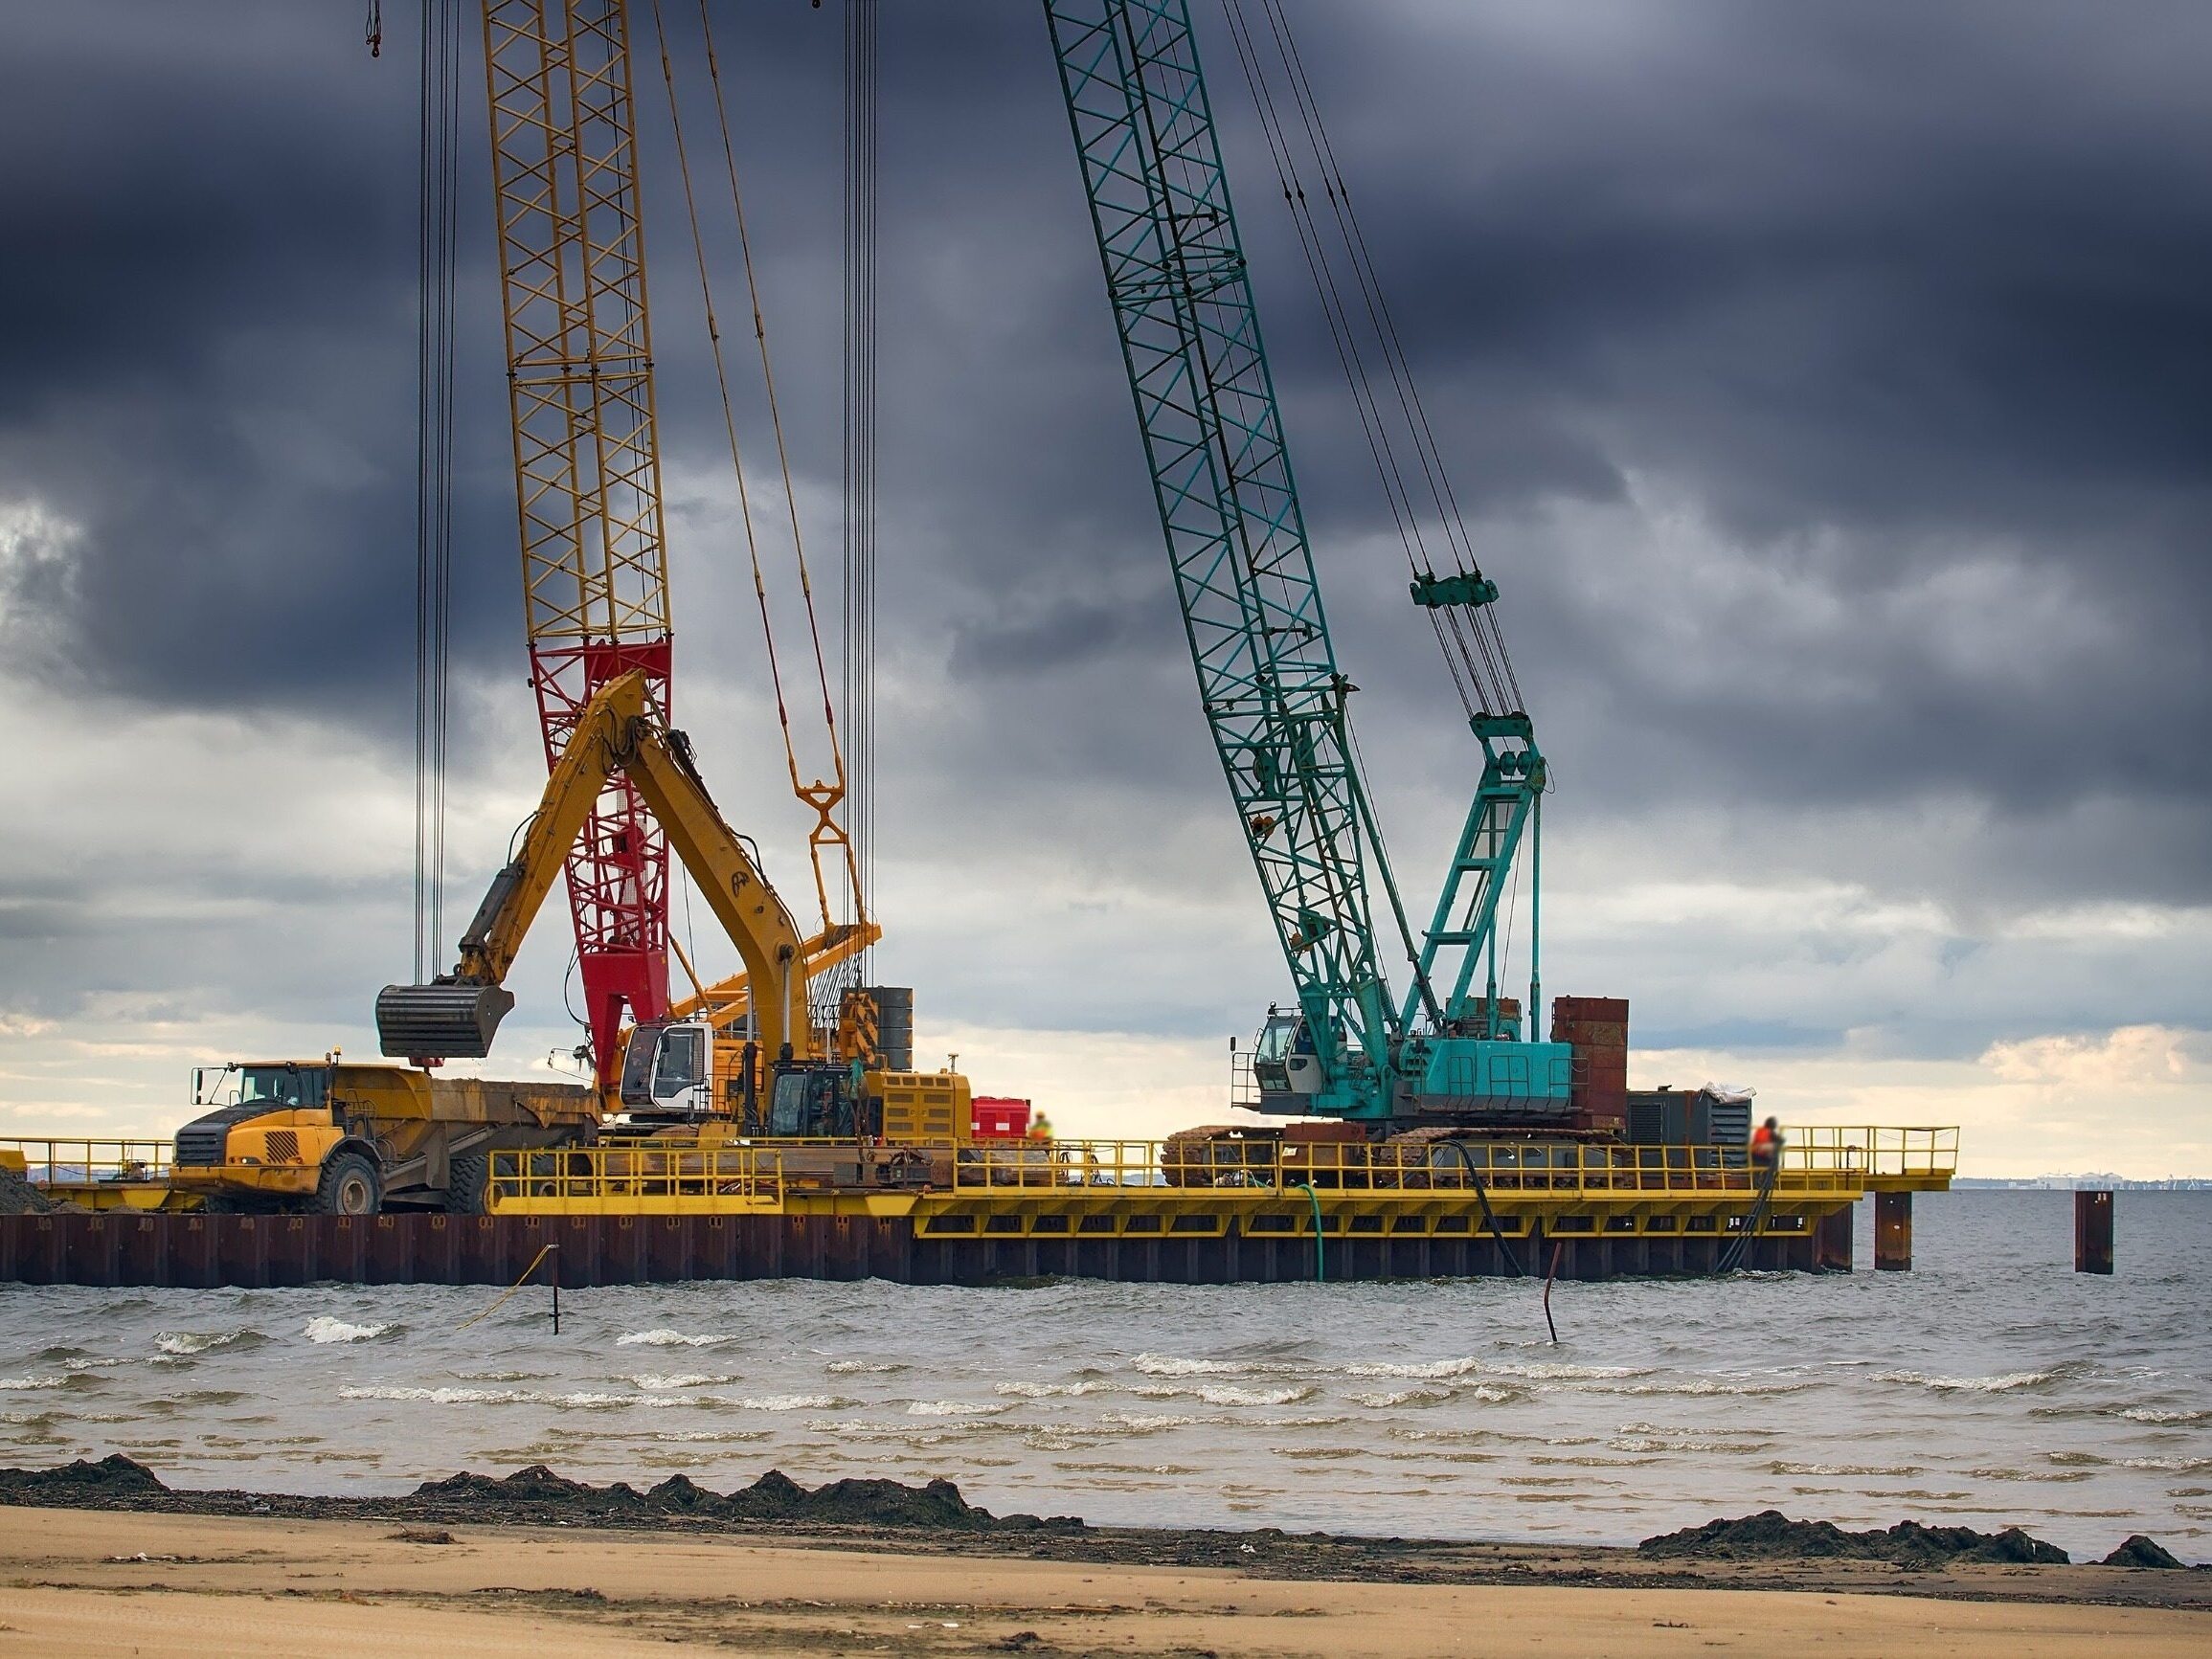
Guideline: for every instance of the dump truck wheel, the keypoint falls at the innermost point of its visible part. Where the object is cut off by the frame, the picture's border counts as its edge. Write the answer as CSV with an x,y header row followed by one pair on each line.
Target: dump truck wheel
x,y
348,1187
468,1180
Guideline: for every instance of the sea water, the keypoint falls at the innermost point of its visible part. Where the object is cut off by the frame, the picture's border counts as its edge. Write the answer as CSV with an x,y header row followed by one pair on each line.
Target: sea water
x,y
1990,1386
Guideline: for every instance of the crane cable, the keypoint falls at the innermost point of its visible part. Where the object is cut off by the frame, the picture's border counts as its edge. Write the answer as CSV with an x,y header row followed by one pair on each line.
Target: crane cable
x,y
861,102
1474,648
435,227
823,795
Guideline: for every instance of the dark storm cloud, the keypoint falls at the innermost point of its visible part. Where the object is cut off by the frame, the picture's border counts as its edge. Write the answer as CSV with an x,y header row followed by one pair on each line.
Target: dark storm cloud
x,y
1904,307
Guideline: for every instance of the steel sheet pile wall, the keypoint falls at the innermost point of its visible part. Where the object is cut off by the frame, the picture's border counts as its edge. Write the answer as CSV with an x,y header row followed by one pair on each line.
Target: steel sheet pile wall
x,y
200,1251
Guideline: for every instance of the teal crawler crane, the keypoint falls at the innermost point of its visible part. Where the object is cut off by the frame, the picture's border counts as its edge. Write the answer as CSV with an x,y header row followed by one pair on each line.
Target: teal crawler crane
x,y
1450,1051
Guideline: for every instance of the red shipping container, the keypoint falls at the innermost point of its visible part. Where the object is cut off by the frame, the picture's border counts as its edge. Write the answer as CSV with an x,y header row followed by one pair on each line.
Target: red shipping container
x,y
997,1117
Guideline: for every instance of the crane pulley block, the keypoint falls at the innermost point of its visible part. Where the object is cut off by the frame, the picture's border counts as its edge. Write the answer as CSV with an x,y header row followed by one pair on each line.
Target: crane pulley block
x,y
1469,588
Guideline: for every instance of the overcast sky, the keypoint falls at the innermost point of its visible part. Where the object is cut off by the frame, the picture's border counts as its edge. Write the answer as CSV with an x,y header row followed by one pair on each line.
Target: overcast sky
x,y
1828,386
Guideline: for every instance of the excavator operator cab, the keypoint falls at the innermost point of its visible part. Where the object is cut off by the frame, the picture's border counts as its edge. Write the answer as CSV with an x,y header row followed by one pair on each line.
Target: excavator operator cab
x,y
668,1070
1282,1059
812,1098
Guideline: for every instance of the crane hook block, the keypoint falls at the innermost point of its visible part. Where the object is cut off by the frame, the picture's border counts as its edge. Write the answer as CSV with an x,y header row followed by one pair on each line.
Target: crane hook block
x,y
439,1021
1469,588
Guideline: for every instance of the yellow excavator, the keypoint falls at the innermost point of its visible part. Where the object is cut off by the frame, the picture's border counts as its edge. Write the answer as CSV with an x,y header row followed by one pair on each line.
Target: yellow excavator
x,y
745,1057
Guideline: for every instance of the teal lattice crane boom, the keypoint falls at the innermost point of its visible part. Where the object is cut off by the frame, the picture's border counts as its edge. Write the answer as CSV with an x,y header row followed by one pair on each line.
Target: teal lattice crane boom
x,y
1267,674
1268,678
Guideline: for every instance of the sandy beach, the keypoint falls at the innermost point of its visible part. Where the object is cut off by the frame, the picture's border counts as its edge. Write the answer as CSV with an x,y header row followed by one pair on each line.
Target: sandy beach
x,y
104,1583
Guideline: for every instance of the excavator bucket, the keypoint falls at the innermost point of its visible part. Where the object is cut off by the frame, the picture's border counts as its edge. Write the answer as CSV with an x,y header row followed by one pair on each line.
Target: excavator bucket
x,y
439,1021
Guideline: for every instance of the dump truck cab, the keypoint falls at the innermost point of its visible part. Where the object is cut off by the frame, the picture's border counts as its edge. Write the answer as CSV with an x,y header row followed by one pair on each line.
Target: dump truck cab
x,y
340,1138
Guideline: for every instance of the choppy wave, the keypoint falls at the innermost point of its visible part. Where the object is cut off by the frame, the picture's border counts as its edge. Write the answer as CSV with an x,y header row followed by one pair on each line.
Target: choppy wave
x,y
1174,1366
183,1344
863,1367
323,1328
956,1407
2001,1384
665,1339
446,1395
1228,1394
55,1380
792,1403
653,1384
1052,1390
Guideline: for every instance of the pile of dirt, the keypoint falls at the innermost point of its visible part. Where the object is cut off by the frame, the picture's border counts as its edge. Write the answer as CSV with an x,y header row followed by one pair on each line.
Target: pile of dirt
x,y
1770,1535
537,1497
2140,1551
81,1485
19,1198
536,1494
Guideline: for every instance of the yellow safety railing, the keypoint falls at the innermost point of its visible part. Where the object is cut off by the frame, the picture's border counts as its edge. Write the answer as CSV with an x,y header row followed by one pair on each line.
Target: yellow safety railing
x,y
1824,1160
637,1177
75,1162
1878,1150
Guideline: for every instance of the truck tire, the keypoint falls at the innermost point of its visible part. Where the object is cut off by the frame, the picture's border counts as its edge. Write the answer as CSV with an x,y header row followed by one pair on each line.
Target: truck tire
x,y
467,1179
350,1186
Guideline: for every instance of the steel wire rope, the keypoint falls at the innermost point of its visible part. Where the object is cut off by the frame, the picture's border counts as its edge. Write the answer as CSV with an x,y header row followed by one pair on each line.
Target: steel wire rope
x,y
437,115
862,101
823,795
745,507
1386,329
1341,336
1497,686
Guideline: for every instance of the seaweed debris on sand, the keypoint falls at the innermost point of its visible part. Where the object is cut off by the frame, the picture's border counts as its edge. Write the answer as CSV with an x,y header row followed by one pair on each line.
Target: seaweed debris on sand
x,y
1770,1535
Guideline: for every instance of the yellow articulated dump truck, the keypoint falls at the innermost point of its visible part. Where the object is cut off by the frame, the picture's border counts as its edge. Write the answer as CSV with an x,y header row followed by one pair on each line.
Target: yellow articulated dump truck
x,y
336,1139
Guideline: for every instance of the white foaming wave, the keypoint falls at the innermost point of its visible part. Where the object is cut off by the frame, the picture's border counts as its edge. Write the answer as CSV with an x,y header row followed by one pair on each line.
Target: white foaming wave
x,y
1382,1401
323,1328
33,1381
791,1402
852,1367
665,1339
1228,1394
2168,1465
184,1342
2151,1414
2004,1383
711,1434
1710,1385
1841,1468
446,1395
1444,1370
653,1384
1172,1365
1142,1422
956,1407
1050,1390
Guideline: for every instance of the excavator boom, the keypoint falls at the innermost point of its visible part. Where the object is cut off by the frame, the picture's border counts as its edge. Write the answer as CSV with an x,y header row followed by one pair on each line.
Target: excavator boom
x,y
616,737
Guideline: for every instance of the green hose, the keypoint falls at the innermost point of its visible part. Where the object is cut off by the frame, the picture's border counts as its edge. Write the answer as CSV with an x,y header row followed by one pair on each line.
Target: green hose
x,y
1320,1272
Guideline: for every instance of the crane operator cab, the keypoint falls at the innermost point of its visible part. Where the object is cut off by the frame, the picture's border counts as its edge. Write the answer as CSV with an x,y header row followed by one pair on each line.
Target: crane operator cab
x,y
668,1070
1285,1064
